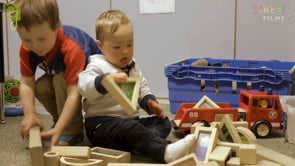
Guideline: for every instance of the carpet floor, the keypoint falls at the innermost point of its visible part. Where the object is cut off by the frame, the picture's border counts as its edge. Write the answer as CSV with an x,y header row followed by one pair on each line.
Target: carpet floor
x,y
14,151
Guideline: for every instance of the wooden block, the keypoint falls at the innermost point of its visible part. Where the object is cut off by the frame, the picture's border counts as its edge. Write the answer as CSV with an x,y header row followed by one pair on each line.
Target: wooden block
x,y
290,111
219,117
211,163
35,147
214,124
240,124
135,164
51,159
247,136
235,147
264,153
196,125
205,102
233,161
265,163
72,151
68,161
227,130
185,161
122,94
236,123
220,154
110,155
248,154
206,138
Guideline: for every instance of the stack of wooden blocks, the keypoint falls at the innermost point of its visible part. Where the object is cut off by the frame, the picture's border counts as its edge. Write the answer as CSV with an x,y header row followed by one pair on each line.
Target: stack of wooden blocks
x,y
229,143
72,155
224,143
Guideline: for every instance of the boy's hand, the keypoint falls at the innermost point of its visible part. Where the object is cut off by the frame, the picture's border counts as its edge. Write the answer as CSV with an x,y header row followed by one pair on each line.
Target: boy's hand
x,y
156,108
27,123
118,76
53,134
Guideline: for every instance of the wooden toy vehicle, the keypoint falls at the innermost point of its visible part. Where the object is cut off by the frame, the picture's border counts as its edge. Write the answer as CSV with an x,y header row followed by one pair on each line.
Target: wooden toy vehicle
x,y
261,109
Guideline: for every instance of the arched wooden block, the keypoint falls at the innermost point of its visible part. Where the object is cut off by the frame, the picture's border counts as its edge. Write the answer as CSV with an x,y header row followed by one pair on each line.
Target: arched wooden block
x,y
248,134
68,161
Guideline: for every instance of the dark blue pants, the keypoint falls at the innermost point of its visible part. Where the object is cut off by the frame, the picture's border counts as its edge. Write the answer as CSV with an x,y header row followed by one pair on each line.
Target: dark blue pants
x,y
145,135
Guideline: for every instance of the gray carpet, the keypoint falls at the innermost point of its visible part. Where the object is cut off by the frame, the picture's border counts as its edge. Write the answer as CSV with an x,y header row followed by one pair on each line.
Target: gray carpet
x,y
14,150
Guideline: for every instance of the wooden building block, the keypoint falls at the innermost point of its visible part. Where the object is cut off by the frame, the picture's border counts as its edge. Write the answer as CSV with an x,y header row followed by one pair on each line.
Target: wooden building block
x,y
233,161
248,154
264,153
266,163
220,154
211,163
247,136
126,93
196,125
68,161
110,155
135,164
236,123
235,147
72,151
227,130
206,138
35,147
214,124
185,161
290,111
51,159
205,102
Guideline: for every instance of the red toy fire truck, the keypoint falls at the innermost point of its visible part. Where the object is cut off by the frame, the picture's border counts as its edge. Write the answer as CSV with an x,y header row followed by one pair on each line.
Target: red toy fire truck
x,y
261,109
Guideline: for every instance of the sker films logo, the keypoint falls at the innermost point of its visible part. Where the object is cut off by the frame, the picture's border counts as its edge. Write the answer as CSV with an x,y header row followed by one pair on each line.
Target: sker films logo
x,y
273,13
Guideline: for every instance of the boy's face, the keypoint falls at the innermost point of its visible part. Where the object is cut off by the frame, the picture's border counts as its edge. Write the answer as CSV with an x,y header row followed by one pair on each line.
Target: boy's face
x,y
118,47
40,38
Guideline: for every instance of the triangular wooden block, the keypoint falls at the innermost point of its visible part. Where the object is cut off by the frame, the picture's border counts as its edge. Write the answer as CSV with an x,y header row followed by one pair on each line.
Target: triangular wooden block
x,y
126,93
227,130
205,102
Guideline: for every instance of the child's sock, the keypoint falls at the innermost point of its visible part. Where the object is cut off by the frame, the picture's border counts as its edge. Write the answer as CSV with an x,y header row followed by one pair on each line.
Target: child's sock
x,y
179,148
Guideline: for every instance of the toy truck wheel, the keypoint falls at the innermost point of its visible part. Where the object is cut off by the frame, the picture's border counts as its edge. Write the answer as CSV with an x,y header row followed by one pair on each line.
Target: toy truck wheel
x,y
262,129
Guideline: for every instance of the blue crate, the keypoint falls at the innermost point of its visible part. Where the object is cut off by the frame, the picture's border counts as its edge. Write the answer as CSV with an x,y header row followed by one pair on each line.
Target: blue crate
x,y
187,83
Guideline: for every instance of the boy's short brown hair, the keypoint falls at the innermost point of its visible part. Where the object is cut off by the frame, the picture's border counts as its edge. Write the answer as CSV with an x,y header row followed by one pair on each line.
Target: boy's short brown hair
x,y
37,12
108,22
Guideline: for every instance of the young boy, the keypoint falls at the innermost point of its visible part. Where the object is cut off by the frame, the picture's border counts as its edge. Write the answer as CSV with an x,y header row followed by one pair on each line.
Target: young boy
x,y
61,51
106,123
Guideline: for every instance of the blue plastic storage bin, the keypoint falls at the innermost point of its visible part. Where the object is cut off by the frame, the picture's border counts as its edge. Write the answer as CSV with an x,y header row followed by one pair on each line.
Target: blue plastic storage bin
x,y
187,83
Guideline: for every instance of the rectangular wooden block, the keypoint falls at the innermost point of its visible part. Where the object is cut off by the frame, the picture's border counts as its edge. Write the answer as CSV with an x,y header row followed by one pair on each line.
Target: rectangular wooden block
x,y
233,161
72,151
110,155
264,153
220,154
206,138
235,147
248,154
266,163
35,147
196,125
211,163
237,123
190,159
135,164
